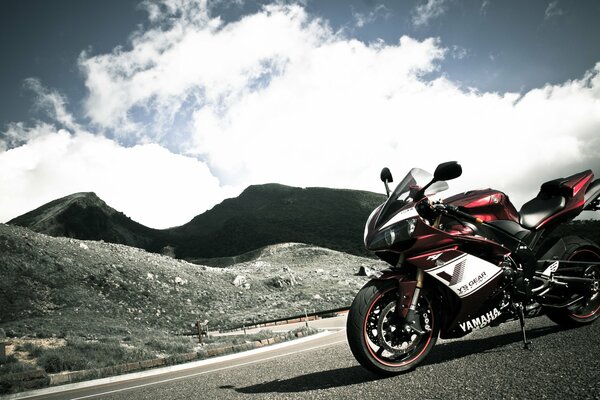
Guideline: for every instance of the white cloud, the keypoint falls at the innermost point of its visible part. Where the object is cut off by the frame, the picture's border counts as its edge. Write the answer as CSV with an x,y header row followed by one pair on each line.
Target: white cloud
x,y
553,10
362,19
147,182
459,52
280,97
427,11
484,7
52,103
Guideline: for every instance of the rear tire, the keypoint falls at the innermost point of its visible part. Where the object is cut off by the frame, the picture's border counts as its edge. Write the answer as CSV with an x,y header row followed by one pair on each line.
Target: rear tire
x,y
375,331
578,249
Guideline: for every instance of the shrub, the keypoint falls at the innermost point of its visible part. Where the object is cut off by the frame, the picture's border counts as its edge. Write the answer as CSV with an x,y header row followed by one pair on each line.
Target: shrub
x,y
168,251
171,345
32,349
80,354
63,359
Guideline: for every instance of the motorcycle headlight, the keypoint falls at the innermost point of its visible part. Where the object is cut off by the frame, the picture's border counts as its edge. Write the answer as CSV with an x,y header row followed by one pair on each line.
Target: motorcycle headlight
x,y
411,224
401,231
390,236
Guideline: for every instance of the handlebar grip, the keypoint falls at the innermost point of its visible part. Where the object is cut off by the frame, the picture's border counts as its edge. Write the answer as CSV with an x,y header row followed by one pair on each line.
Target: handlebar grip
x,y
454,210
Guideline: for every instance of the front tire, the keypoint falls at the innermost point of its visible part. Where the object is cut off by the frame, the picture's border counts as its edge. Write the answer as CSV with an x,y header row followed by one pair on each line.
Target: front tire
x,y
588,310
376,332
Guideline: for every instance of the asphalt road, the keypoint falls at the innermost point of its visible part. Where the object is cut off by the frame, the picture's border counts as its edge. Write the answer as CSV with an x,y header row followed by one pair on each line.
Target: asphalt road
x,y
488,364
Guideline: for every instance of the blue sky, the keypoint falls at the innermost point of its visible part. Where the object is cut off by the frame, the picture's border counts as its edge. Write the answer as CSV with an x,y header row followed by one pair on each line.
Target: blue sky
x,y
179,105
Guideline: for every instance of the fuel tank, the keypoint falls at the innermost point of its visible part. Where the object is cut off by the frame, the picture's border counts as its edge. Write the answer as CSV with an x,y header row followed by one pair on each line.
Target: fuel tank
x,y
487,204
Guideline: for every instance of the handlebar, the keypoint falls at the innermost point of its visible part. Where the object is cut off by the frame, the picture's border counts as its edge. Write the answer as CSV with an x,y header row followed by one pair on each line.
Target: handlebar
x,y
454,211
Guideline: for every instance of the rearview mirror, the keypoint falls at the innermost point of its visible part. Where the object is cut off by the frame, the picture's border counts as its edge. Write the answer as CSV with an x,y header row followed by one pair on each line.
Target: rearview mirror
x,y
386,175
443,172
446,171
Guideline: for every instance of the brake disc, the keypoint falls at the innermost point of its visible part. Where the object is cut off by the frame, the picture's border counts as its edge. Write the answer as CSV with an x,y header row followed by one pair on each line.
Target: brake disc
x,y
392,333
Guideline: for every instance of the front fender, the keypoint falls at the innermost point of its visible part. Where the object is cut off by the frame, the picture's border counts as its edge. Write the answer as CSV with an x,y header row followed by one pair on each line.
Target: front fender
x,y
445,299
406,288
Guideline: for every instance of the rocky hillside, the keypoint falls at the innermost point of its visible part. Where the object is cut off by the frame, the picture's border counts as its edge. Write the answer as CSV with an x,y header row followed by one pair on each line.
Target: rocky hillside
x,y
60,286
86,216
262,215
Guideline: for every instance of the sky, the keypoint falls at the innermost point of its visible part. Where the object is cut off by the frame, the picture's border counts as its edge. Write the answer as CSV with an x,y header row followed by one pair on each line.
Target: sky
x,y
165,108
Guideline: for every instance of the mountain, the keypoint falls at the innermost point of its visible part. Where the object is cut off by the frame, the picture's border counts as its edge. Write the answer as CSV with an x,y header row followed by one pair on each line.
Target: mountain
x,y
272,213
85,216
261,215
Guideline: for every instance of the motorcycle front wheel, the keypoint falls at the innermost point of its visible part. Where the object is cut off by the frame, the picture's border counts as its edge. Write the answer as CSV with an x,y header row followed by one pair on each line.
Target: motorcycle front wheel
x,y
377,333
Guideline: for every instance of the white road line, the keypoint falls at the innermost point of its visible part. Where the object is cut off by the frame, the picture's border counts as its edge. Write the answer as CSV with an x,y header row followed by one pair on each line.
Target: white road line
x,y
205,372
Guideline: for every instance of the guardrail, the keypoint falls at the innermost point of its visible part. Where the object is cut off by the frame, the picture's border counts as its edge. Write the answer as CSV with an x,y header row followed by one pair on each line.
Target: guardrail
x,y
287,320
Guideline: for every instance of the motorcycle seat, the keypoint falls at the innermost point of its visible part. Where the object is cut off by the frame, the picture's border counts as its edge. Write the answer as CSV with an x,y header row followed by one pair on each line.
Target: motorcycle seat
x,y
540,208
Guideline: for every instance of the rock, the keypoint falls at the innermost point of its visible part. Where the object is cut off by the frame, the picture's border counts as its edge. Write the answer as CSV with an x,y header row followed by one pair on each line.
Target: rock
x,y
84,246
150,276
278,283
368,272
240,281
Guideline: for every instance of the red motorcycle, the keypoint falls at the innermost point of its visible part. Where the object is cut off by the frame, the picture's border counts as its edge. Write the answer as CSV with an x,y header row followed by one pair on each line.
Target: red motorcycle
x,y
468,262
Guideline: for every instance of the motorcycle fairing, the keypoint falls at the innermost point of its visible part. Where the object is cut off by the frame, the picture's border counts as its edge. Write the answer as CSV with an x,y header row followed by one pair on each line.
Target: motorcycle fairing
x,y
406,212
470,280
463,273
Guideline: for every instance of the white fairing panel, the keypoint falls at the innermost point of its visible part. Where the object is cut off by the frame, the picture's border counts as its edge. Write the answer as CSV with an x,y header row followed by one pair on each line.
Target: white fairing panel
x,y
465,274
402,215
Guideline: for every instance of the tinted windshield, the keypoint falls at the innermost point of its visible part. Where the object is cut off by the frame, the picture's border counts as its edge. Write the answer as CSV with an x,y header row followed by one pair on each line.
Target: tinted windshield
x,y
407,188
416,178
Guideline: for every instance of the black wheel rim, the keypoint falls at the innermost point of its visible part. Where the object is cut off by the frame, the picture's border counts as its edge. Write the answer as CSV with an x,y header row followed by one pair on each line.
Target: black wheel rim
x,y
385,337
591,305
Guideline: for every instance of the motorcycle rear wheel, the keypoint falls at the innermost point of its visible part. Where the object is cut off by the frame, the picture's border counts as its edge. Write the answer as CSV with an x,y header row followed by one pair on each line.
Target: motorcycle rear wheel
x,y
375,330
587,311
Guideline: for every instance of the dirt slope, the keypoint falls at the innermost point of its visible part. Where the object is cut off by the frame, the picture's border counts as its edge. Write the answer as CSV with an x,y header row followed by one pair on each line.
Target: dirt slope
x,y
56,286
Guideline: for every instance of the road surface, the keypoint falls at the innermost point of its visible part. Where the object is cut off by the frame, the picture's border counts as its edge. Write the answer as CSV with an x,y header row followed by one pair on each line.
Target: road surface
x,y
488,364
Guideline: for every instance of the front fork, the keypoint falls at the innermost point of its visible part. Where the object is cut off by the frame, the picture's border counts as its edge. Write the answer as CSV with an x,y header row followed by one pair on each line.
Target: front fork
x,y
413,322
409,310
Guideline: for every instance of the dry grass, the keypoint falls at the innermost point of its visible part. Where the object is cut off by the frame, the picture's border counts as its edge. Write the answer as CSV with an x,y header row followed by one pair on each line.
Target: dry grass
x,y
77,353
